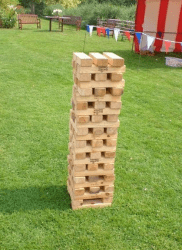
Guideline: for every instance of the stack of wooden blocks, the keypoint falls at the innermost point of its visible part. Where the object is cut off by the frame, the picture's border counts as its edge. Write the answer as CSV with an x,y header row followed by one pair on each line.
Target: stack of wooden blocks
x,y
96,103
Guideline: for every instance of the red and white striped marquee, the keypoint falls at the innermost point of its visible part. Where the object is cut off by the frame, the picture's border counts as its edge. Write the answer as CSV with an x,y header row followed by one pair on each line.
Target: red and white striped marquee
x,y
160,19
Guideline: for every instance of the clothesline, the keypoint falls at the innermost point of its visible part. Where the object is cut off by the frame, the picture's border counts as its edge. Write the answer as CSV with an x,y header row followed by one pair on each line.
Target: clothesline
x,y
132,31
111,29
158,38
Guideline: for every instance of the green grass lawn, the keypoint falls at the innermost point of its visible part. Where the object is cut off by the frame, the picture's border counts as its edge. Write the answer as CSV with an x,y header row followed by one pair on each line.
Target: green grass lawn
x,y
35,92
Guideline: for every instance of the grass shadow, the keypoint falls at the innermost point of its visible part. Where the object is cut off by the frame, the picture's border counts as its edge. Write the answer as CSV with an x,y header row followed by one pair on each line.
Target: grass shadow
x,y
34,198
48,31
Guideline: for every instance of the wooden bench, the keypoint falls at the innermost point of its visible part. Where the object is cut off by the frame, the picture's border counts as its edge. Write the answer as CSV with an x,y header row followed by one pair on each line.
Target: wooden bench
x,y
123,25
28,19
109,23
74,20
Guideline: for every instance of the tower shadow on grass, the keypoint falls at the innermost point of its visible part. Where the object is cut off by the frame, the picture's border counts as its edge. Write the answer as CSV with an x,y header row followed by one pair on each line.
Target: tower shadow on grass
x,y
34,198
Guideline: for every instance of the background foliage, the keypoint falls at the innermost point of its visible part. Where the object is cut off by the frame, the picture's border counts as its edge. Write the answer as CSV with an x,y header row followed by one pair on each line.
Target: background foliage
x,y
114,2
91,11
7,15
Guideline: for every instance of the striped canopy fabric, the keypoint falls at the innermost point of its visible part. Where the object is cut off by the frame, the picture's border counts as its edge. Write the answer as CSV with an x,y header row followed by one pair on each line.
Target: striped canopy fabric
x,y
160,19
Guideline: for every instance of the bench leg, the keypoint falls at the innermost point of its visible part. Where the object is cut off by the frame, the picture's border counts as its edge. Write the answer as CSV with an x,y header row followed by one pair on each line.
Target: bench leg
x,y
20,26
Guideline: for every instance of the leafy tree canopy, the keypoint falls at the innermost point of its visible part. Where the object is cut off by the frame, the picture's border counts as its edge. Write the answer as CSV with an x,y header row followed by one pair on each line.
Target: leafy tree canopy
x,y
114,2
64,3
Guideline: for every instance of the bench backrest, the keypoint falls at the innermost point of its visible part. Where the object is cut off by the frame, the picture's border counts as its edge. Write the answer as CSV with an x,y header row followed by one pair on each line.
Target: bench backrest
x,y
28,18
72,20
126,25
101,22
121,24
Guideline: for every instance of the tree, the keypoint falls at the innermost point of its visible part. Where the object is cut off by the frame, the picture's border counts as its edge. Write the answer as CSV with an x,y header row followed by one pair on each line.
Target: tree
x,y
65,3
32,4
70,3
114,2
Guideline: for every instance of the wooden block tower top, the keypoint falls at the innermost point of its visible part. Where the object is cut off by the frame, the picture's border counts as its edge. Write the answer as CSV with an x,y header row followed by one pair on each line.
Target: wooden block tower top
x,y
82,59
113,59
99,59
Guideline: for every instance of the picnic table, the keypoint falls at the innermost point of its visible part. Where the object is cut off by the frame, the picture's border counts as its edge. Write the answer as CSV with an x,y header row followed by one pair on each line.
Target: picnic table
x,y
56,18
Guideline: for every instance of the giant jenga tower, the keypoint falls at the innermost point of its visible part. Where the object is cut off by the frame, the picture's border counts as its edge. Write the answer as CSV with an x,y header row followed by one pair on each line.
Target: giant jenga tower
x,y
96,103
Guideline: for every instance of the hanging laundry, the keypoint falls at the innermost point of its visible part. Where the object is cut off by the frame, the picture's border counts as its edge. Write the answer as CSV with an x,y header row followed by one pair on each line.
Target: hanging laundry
x,y
91,29
98,31
107,32
116,33
150,41
127,34
138,35
88,29
103,30
167,45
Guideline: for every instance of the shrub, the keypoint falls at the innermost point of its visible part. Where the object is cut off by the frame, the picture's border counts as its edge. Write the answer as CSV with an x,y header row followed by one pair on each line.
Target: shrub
x,y
90,12
7,17
39,6
20,9
48,11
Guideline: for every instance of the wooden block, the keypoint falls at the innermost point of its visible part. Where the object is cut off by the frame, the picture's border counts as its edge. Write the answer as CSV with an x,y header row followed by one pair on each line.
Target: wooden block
x,y
114,60
80,144
69,158
99,91
111,142
109,178
100,105
75,79
93,178
100,77
82,59
85,92
82,131
117,91
72,115
109,188
98,131
96,118
112,118
83,119
82,105
76,204
79,191
97,143
115,105
74,64
111,131
95,155
95,69
92,167
79,156
79,167
84,77
110,154
116,77
79,180
94,190
99,59
108,200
